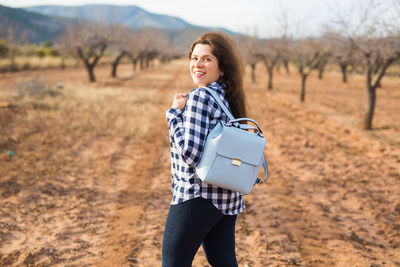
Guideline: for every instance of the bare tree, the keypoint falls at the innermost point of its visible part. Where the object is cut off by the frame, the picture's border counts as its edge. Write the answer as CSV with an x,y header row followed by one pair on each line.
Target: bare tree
x,y
274,51
285,39
248,48
325,58
121,40
269,53
252,61
377,41
285,49
308,54
150,44
376,63
90,41
326,48
65,46
343,53
14,38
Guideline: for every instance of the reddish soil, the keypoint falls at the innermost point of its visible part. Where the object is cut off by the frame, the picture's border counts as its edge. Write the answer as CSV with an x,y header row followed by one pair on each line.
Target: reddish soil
x,y
85,171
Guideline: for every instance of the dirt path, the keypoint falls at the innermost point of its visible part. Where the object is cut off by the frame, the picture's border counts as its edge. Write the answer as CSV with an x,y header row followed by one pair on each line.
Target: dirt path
x,y
89,184
133,223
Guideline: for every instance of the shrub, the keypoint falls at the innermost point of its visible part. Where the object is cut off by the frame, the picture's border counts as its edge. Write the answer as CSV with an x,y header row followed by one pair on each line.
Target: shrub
x,y
28,50
53,52
3,48
41,52
47,44
36,89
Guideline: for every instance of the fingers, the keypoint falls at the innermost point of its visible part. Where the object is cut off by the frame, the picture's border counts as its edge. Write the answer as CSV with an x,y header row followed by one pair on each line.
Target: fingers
x,y
179,100
180,95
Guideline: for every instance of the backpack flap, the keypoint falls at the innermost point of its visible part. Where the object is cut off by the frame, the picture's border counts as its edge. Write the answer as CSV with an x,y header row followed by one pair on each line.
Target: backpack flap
x,y
241,146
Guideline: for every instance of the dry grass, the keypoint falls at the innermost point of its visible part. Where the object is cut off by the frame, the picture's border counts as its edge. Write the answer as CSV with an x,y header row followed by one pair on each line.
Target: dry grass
x,y
35,62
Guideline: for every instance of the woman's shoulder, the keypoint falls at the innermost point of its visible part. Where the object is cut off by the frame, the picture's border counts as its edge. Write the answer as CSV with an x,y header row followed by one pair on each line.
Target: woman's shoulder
x,y
199,92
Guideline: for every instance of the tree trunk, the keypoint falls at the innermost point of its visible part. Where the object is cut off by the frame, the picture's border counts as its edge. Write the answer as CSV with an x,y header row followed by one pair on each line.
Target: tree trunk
x,y
321,72
141,63
278,67
62,64
90,70
286,65
134,63
343,68
115,64
114,68
12,60
303,87
253,72
270,75
369,114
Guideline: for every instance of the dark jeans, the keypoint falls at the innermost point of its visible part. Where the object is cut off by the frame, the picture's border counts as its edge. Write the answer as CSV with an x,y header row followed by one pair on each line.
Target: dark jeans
x,y
196,222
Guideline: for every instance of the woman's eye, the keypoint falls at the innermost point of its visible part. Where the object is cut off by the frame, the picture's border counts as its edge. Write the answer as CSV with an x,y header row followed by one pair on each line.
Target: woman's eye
x,y
194,58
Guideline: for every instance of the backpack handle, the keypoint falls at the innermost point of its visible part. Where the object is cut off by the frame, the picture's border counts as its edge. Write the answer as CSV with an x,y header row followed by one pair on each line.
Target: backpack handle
x,y
245,119
228,113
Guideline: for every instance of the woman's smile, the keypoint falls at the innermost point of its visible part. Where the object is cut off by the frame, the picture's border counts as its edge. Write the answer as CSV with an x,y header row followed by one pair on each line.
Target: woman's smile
x,y
199,74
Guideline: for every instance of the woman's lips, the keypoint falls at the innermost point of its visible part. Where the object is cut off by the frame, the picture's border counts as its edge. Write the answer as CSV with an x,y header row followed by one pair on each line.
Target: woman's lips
x,y
198,74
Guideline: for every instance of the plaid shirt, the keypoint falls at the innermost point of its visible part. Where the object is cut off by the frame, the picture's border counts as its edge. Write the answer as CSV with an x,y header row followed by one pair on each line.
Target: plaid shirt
x,y
188,130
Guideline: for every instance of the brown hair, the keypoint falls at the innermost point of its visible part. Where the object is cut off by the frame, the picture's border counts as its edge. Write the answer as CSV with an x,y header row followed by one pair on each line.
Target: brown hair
x,y
230,63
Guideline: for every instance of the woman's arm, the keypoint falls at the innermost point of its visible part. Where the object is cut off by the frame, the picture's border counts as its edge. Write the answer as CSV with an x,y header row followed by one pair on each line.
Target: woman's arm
x,y
189,132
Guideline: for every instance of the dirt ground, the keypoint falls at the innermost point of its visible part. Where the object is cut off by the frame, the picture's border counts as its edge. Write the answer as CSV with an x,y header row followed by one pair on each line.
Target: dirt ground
x,y
85,170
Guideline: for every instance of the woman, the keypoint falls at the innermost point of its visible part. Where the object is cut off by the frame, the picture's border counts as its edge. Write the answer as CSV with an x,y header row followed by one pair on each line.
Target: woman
x,y
201,213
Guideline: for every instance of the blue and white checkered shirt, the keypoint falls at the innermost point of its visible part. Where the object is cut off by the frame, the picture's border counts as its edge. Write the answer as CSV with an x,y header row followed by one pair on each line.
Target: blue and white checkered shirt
x,y
188,130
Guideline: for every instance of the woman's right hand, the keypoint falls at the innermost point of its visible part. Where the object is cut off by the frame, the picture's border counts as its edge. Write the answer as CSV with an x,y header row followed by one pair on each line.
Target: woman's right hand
x,y
179,101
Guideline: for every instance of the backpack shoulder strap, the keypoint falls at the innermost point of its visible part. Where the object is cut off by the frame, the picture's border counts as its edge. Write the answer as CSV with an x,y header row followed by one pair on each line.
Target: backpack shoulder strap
x,y
220,103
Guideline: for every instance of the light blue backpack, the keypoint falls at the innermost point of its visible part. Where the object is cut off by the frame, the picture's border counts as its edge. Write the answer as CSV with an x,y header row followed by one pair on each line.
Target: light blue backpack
x,y
233,154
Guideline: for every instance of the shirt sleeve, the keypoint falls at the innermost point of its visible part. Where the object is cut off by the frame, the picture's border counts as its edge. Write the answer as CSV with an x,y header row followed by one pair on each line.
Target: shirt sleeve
x,y
188,129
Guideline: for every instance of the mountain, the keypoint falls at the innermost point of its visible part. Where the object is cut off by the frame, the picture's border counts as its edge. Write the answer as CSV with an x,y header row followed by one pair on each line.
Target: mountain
x,y
131,16
46,22
38,27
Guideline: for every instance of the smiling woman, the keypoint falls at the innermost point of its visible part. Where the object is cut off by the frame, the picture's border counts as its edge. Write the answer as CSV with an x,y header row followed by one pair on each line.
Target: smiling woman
x,y
230,67
201,213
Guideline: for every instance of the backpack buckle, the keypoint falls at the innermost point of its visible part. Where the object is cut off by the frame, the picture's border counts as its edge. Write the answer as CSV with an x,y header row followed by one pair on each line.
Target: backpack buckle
x,y
236,162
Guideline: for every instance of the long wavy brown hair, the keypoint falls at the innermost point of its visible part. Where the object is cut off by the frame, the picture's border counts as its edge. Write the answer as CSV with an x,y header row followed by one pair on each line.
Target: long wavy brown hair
x,y
230,63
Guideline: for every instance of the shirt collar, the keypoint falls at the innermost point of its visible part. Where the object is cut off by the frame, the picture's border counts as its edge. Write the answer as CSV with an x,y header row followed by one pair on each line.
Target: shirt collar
x,y
219,88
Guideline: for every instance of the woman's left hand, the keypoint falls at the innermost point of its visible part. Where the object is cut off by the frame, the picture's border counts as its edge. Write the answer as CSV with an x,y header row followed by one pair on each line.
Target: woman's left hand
x,y
179,100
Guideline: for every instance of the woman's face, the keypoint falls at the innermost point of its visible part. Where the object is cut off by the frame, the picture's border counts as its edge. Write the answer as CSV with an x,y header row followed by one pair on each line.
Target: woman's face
x,y
204,65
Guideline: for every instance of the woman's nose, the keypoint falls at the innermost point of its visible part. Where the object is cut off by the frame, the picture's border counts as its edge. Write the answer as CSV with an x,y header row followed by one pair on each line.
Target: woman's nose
x,y
199,62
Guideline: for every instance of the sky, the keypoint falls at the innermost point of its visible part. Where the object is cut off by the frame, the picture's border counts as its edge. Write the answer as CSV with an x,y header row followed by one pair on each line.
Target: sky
x,y
244,16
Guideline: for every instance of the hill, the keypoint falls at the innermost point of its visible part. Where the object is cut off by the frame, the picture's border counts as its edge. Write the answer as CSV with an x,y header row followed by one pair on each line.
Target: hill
x,y
46,22
38,27
131,16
